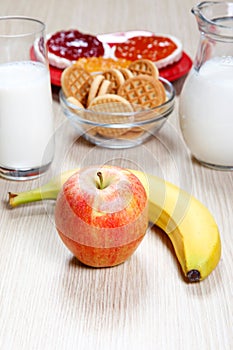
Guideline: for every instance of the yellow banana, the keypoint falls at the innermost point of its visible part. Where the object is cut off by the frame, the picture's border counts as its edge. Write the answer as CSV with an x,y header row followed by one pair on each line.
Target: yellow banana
x,y
187,222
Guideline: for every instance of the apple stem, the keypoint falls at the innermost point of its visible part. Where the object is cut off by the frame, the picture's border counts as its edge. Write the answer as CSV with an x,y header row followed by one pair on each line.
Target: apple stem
x,y
101,180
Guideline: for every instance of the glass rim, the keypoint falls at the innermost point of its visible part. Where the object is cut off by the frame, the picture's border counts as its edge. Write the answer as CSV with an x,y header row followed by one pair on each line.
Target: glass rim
x,y
25,32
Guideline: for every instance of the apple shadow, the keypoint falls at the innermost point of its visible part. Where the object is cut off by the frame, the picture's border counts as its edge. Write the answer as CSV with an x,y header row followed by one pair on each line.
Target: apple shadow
x,y
106,296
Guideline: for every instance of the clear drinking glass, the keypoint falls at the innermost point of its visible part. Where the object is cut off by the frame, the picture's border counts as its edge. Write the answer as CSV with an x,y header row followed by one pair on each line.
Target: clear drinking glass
x,y
26,114
206,102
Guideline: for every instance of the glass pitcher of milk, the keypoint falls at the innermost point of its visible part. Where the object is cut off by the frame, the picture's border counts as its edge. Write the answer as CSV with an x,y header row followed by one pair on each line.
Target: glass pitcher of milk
x,y
206,101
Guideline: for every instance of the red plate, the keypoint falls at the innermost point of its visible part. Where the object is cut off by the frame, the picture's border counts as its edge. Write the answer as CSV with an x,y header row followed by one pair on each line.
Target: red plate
x,y
172,72
55,75
178,69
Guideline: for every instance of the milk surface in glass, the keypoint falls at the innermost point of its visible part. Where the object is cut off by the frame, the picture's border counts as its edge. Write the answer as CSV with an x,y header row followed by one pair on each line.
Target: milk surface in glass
x,y
206,112
26,117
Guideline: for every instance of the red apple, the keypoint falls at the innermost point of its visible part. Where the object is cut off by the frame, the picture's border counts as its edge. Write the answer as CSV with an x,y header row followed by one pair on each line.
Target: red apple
x,y
101,215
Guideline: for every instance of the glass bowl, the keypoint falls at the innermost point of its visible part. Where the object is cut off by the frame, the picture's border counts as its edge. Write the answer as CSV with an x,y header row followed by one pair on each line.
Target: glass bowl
x,y
119,130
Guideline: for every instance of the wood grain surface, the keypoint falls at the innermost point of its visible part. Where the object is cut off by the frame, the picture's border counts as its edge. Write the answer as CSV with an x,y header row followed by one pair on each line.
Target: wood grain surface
x,y
48,300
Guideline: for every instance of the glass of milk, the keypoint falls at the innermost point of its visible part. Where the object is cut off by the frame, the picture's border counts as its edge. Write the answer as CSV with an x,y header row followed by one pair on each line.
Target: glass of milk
x,y
206,101
26,113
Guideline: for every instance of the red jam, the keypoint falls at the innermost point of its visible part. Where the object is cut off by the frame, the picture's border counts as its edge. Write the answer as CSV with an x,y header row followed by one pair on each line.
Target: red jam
x,y
72,44
152,47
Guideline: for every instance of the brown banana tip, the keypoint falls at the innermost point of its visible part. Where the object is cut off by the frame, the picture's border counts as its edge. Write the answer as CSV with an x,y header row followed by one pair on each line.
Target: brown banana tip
x,y
193,276
10,199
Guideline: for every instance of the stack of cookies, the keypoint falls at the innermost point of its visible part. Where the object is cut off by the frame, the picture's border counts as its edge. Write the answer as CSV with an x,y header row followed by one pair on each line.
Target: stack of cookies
x,y
114,95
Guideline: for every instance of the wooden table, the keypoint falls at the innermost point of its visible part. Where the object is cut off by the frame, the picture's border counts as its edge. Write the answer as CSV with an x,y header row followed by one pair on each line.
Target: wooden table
x,y
48,300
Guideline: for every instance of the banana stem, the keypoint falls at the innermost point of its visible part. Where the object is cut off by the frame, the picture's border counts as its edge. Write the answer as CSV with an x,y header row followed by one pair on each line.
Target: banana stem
x,y
38,194
48,191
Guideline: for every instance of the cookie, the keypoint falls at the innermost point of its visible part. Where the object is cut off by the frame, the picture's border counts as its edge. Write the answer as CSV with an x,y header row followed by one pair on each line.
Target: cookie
x,y
126,73
105,87
144,66
75,102
119,109
94,88
132,133
82,112
143,92
115,77
76,82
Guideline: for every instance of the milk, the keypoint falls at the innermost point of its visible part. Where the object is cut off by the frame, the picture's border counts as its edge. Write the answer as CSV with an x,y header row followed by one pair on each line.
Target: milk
x,y
206,112
26,116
